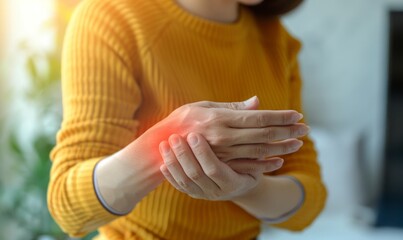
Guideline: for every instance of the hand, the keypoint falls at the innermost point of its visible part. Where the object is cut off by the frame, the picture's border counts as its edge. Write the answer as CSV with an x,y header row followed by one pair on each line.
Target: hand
x,y
193,168
235,130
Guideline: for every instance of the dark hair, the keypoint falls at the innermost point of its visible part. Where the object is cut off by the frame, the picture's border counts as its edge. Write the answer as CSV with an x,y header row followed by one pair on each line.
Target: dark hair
x,y
270,8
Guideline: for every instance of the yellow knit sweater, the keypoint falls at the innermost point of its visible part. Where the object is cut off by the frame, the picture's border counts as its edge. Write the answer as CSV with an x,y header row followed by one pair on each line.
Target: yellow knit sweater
x,y
126,65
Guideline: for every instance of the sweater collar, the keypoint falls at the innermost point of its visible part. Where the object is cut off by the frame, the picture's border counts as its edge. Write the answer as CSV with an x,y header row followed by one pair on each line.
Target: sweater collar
x,y
225,31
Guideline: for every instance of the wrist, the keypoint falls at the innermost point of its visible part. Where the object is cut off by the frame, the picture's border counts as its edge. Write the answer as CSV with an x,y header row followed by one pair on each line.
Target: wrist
x,y
296,195
106,190
124,178
274,199
251,193
112,192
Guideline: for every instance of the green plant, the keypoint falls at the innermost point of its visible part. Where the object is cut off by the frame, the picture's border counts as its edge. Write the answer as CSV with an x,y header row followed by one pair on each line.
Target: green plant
x,y
23,198
24,202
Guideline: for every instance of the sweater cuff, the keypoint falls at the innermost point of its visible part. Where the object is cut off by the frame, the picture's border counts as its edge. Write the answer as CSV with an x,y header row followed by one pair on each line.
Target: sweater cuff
x,y
288,214
315,195
100,198
88,198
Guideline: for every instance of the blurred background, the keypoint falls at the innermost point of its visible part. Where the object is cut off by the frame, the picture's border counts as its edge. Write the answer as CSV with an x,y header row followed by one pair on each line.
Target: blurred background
x,y
352,64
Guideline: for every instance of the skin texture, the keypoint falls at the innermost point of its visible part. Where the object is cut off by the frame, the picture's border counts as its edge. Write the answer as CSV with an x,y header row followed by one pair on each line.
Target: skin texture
x,y
191,167
255,134
138,164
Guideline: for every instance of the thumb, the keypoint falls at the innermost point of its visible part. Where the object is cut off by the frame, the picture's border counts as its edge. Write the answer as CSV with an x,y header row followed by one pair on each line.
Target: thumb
x,y
249,104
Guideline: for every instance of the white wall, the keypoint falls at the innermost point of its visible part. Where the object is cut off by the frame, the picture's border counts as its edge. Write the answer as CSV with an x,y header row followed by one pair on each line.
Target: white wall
x,y
344,64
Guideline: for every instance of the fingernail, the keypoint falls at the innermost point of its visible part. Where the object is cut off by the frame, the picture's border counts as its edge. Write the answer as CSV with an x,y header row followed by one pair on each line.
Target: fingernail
x,y
298,145
174,140
279,162
164,148
249,102
304,131
297,117
192,139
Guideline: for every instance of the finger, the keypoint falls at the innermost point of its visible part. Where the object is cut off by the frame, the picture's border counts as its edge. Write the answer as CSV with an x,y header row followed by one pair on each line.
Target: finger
x,y
215,169
256,167
176,170
262,118
249,104
268,134
190,165
261,151
164,170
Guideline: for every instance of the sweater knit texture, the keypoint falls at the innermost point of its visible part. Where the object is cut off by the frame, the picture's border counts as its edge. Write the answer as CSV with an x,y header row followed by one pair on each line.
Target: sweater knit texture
x,y
127,64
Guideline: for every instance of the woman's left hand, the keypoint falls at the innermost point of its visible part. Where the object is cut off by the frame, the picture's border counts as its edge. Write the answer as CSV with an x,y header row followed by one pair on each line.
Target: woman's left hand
x,y
192,167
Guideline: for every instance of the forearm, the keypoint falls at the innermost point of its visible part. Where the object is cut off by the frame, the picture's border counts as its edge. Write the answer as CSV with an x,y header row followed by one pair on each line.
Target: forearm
x,y
126,177
274,199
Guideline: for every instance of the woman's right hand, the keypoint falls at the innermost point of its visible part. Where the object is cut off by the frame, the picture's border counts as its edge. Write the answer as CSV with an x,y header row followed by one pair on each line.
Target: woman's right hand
x,y
236,130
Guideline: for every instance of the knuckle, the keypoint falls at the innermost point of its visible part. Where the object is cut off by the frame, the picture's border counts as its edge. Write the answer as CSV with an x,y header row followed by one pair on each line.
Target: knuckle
x,y
186,107
170,162
213,114
184,183
195,175
269,134
246,169
215,195
223,155
293,132
233,106
263,120
212,119
177,187
203,103
180,153
220,139
285,148
261,151
195,196
199,150
217,117
213,172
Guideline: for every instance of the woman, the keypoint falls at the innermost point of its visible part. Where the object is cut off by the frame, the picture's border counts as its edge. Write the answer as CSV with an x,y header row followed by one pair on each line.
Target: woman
x,y
136,77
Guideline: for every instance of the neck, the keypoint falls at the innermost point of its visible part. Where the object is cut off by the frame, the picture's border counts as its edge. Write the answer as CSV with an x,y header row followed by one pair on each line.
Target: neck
x,y
225,11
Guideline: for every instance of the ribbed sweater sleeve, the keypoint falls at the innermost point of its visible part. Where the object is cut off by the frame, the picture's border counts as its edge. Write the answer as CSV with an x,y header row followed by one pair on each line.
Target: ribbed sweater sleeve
x,y
303,164
100,97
